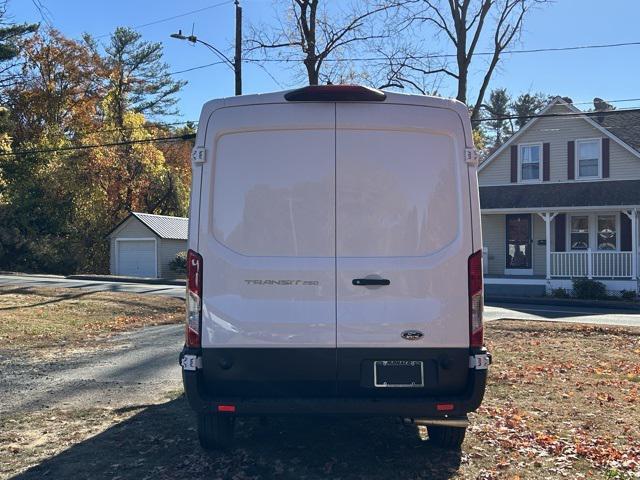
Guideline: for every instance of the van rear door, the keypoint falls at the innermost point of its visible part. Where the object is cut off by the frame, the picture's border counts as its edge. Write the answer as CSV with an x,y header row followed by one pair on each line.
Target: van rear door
x,y
267,238
403,237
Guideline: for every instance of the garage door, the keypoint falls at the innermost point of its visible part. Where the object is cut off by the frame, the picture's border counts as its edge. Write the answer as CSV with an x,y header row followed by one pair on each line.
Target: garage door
x,y
137,258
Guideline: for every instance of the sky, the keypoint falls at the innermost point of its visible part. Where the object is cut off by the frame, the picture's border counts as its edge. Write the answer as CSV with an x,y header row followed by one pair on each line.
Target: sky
x,y
610,74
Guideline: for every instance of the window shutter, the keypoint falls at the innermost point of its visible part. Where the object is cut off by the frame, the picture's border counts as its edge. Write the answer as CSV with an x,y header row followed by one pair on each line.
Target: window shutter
x,y
561,232
625,232
605,158
571,160
514,164
546,162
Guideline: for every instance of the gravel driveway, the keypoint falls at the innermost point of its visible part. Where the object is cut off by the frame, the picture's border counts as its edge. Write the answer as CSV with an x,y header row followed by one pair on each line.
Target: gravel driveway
x,y
118,371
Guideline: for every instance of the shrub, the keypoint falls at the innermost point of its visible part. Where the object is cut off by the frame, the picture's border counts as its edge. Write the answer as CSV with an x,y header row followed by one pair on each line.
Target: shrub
x,y
629,295
560,293
179,263
589,289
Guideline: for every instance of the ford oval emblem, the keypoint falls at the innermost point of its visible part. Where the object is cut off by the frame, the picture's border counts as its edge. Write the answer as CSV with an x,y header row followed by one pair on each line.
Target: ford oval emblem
x,y
412,334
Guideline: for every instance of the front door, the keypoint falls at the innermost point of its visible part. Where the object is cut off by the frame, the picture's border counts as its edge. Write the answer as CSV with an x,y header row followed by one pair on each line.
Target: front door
x,y
518,241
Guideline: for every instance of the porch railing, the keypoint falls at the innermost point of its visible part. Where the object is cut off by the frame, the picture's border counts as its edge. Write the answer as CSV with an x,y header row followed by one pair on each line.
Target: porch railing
x,y
592,264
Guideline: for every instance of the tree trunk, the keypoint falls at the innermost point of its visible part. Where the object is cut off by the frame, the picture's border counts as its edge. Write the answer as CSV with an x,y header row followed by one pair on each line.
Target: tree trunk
x,y
462,83
312,72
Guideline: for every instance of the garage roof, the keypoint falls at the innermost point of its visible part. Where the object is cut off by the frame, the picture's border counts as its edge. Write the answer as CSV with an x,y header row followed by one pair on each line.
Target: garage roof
x,y
171,228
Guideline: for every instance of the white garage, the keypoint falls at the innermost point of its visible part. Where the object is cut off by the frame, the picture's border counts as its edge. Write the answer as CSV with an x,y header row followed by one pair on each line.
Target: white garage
x,y
143,245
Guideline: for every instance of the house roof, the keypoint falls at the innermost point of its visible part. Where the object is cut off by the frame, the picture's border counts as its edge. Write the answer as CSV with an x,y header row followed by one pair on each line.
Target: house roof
x,y
170,228
623,124
622,127
549,195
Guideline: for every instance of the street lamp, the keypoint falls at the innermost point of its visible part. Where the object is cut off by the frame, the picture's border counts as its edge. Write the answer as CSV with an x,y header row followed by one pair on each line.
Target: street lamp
x,y
236,63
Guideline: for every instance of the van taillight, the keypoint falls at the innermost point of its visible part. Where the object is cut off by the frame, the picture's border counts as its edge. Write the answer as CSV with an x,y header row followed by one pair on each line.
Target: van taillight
x,y
475,300
194,299
335,93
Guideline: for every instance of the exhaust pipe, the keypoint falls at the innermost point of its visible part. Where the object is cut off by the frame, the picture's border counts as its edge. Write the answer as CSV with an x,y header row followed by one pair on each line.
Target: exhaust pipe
x,y
461,422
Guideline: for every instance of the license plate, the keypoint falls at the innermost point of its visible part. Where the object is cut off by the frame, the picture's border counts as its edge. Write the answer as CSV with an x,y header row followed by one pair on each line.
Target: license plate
x,y
398,373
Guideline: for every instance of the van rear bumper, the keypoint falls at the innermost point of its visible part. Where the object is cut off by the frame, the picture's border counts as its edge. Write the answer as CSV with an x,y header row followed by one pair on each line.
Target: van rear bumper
x,y
468,400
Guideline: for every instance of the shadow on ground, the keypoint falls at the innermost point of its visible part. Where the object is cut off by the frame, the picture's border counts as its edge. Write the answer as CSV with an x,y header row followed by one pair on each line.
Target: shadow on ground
x,y
160,442
55,299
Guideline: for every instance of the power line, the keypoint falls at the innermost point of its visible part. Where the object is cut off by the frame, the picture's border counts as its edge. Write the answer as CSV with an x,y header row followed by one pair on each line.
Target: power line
x,y
556,115
452,55
421,57
141,127
196,68
188,136
610,101
180,15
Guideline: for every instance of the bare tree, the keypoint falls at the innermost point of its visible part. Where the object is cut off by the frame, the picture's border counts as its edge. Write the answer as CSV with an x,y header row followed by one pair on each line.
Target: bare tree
x,y
308,33
399,64
465,24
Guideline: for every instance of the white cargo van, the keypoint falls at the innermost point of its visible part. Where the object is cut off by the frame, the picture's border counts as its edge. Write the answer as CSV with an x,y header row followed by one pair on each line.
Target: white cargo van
x,y
334,261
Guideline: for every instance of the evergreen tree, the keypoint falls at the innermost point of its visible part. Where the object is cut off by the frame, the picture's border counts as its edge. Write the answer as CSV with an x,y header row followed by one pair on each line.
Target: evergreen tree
x,y
498,111
527,105
138,78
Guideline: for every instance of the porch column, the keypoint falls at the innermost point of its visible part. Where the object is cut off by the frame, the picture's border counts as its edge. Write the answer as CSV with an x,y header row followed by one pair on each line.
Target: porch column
x,y
548,217
633,215
634,243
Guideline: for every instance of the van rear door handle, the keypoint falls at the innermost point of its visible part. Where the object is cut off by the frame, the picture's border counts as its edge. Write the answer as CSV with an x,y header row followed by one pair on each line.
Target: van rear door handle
x,y
370,281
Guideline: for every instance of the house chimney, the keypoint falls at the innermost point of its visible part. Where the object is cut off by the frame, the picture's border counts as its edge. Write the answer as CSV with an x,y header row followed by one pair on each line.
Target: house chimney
x,y
599,105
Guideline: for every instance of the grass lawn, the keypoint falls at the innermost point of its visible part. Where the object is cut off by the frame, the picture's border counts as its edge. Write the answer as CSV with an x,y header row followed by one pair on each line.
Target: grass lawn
x,y
40,317
563,402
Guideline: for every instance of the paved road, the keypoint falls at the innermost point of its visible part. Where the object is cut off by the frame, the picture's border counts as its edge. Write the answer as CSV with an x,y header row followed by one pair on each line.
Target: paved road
x,y
601,316
95,285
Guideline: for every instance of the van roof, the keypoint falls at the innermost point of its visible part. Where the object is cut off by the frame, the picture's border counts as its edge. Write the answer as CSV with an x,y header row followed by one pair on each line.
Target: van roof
x,y
392,97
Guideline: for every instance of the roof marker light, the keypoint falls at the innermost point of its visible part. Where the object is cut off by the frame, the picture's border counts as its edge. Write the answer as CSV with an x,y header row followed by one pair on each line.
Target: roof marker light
x,y
336,93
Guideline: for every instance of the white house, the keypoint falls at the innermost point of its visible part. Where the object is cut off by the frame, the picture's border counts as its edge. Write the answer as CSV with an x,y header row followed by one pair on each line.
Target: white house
x,y
560,200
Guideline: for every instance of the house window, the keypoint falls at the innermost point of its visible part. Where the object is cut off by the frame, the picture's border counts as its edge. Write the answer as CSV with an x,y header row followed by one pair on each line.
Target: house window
x,y
588,158
580,233
530,162
607,234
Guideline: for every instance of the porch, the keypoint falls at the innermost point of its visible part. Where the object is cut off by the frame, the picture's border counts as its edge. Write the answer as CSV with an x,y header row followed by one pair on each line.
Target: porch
x,y
548,248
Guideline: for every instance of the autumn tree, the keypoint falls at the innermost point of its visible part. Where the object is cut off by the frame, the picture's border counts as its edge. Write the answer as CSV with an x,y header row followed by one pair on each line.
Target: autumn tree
x,y
58,199
51,108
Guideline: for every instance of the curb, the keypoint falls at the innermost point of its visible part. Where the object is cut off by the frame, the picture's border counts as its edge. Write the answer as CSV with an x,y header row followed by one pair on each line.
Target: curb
x,y
113,278
562,302
38,275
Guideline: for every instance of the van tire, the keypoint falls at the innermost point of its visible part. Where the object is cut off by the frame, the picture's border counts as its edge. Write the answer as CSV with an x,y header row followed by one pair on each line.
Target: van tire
x,y
215,432
447,437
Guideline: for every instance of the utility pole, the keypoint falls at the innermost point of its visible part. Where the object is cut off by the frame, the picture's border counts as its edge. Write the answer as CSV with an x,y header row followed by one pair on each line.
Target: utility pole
x,y
237,61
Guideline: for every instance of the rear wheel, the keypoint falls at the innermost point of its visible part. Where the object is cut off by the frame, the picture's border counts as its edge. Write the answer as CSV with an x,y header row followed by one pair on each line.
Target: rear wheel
x,y
215,431
447,437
